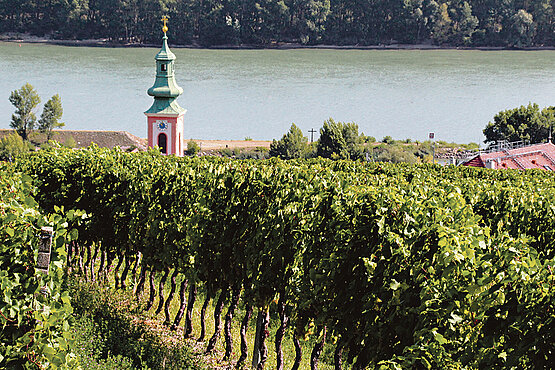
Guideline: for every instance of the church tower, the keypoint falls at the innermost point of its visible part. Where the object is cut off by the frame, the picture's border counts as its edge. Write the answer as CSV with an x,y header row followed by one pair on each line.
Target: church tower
x,y
165,116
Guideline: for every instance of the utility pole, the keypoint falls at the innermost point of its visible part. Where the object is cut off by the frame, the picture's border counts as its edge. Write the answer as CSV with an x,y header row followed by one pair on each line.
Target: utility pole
x,y
312,131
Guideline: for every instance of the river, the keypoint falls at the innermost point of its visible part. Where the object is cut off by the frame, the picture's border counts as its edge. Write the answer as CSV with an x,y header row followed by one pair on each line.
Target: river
x,y
234,94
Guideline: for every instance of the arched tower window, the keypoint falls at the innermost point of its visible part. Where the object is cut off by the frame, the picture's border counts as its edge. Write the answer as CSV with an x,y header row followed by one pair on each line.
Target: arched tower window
x,y
163,143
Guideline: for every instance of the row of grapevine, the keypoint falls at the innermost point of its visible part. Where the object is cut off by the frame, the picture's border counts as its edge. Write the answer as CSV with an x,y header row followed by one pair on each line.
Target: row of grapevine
x,y
401,266
34,307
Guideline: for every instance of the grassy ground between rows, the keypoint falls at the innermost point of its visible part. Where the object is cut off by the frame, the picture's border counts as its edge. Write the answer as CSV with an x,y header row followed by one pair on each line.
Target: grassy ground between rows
x,y
99,303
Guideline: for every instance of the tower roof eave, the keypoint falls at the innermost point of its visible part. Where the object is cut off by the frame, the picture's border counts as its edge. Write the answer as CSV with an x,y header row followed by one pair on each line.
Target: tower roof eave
x,y
165,107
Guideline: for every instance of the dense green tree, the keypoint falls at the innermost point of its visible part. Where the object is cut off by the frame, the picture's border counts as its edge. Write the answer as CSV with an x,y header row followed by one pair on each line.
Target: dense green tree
x,y
292,145
443,25
465,23
416,20
51,115
308,19
523,28
339,140
25,101
353,140
527,123
544,16
331,143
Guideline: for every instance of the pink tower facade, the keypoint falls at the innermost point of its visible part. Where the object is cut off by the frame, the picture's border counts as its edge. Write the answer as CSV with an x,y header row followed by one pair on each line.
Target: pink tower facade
x,y
166,132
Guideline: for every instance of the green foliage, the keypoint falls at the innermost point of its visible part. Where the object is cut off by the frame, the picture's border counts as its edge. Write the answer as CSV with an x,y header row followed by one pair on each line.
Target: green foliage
x,y
25,101
527,123
395,154
107,336
34,307
51,114
226,152
238,153
88,348
388,140
331,143
257,153
50,144
470,146
341,22
339,140
12,146
368,139
523,28
454,23
70,142
292,145
353,140
192,147
406,266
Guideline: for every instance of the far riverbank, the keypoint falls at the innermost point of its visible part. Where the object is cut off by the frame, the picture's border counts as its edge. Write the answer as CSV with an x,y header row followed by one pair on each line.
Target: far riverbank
x,y
30,39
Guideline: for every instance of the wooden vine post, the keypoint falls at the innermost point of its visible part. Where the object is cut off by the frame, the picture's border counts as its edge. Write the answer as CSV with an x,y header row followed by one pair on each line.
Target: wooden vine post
x,y
256,347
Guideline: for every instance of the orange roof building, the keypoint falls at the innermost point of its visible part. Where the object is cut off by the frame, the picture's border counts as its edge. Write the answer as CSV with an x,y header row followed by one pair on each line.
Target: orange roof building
x,y
540,156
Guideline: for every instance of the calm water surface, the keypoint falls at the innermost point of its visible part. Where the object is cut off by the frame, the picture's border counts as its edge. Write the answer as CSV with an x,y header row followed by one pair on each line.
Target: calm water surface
x,y
233,94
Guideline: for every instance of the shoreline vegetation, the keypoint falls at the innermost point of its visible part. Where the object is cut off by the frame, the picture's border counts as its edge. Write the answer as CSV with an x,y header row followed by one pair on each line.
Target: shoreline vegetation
x,y
218,23
468,23
386,150
26,38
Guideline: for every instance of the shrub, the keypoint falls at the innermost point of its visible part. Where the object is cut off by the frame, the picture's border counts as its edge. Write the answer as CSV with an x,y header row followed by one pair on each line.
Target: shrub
x,y
388,140
192,147
70,142
252,154
396,154
106,318
11,146
226,152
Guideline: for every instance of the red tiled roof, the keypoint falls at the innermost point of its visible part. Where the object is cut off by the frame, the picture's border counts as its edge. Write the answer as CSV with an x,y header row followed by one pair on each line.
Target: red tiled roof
x,y
84,138
534,156
475,162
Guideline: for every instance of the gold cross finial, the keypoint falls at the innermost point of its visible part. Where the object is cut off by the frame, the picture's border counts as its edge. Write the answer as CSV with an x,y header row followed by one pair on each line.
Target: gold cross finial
x,y
165,28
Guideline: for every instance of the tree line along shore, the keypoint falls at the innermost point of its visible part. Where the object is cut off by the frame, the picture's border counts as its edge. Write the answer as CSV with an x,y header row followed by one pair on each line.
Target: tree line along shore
x,y
272,23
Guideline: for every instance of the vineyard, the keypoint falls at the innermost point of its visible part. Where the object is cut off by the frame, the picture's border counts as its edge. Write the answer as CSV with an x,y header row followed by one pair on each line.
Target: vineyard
x,y
395,266
34,309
